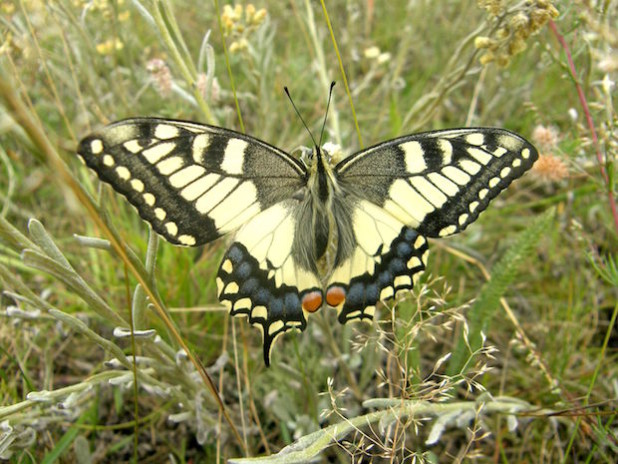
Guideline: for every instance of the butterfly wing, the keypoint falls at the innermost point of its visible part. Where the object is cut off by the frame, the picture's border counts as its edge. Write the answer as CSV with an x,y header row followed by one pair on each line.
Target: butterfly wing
x,y
267,275
431,184
193,183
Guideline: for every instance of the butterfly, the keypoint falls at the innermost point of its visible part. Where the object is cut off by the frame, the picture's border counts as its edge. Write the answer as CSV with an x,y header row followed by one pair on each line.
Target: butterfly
x,y
310,233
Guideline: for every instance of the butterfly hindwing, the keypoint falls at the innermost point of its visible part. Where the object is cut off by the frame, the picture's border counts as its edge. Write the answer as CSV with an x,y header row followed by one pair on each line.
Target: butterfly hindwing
x,y
438,182
191,182
382,258
264,277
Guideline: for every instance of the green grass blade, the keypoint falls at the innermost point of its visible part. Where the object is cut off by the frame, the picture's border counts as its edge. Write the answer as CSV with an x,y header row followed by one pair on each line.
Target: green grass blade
x,y
488,302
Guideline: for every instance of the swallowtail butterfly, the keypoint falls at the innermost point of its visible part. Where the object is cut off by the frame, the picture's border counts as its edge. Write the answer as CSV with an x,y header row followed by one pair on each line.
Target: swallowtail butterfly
x,y
311,233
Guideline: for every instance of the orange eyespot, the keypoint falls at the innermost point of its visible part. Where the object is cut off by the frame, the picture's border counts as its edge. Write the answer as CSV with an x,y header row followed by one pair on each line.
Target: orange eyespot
x,y
335,296
312,301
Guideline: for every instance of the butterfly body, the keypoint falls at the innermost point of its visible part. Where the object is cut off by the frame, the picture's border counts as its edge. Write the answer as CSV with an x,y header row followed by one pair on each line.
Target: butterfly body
x,y
311,234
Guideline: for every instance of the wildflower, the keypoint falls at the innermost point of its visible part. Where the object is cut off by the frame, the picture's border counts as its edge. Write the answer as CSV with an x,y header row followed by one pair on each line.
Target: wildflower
x,y
551,168
545,137
161,76
109,46
371,52
518,25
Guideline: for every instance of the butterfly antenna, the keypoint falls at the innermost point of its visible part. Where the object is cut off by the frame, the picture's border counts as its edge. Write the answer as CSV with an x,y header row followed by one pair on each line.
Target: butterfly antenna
x,y
330,94
287,92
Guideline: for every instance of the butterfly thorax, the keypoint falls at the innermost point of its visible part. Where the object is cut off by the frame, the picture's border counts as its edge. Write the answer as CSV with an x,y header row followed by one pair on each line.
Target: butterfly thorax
x,y
321,189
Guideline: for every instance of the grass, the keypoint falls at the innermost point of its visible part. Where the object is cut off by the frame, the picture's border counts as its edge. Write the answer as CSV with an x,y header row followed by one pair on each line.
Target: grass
x,y
536,272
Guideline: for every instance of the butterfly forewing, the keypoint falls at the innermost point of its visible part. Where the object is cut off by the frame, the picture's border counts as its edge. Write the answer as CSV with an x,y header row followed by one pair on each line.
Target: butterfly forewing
x,y
438,182
191,182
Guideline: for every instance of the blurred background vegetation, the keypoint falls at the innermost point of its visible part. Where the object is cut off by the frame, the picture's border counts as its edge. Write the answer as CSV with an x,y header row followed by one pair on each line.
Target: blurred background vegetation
x,y
525,300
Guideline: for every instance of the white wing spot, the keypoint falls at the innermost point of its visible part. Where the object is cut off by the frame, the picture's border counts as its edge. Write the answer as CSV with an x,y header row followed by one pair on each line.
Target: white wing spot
x,y
188,240
171,228
157,152
447,151
456,175
160,213
525,153
137,185
386,293
186,176
259,312
443,184
473,206
419,242
123,173
400,281
414,262
233,156
463,219
232,288
242,304
470,166
227,266
483,193
370,311
498,152
108,160
197,188
479,155
96,147
494,181
133,146
516,162
448,231
149,198
275,327
170,165
429,191
509,142
166,131
414,157
200,143
505,172
475,139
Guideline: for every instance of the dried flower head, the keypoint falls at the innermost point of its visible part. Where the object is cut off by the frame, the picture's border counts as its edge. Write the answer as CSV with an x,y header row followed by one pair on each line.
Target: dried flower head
x,y
238,21
550,168
516,26
545,137
161,76
109,46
